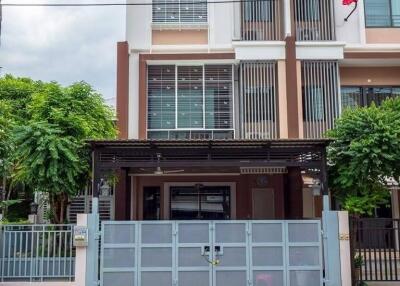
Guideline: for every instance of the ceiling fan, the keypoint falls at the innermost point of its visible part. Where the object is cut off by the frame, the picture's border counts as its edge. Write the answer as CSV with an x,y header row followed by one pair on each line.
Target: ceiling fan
x,y
160,171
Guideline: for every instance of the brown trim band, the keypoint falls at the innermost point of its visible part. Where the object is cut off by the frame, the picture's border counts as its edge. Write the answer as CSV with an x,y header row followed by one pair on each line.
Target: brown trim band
x,y
372,55
143,58
122,89
180,57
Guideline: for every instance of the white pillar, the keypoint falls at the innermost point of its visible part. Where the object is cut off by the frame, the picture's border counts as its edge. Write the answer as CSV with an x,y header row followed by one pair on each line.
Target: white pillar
x,y
80,259
344,247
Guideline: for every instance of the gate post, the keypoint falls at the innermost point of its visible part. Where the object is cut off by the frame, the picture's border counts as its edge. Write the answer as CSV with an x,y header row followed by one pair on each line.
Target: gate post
x,y
92,254
336,248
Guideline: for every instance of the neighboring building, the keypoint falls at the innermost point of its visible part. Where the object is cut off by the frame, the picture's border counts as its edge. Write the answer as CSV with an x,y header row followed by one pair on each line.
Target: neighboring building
x,y
253,70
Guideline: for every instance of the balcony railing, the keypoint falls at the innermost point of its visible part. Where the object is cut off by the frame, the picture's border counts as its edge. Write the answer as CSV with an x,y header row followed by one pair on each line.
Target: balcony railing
x,y
261,20
314,20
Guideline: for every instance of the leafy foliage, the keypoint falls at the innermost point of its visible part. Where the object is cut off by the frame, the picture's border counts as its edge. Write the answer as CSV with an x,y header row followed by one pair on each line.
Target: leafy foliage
x,y
6,146
46,159
364,154
50,126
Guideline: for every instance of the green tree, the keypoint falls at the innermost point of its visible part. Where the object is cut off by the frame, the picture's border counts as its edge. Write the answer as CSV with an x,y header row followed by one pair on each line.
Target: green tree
x,y
6,144
49,161
364,154
50,132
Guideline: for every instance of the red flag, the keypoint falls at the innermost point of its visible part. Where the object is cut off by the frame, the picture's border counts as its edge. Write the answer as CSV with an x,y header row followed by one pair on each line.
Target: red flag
x,y
348,2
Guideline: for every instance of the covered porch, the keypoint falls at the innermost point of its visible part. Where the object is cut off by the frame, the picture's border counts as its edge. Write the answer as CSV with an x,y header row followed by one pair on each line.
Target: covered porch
x,y
213,180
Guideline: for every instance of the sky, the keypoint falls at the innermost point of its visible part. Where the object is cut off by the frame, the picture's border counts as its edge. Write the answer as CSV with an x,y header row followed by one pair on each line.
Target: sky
x,y
64,44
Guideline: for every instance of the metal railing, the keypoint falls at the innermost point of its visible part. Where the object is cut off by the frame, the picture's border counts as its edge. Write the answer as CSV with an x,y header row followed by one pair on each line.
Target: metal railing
x,y
375,247
37,253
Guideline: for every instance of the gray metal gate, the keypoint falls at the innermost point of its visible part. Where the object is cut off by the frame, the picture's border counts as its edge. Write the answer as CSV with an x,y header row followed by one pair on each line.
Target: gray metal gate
x,y
211,253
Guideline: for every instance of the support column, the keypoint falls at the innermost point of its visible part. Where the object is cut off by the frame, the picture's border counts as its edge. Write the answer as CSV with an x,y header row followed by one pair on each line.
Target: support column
x,y
294,194
122,89
324,182
122,197
291,88
282,94
95,182
142,121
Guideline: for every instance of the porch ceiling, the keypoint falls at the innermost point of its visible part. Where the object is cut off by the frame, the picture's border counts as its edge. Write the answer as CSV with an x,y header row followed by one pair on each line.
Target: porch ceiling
x,y
202,153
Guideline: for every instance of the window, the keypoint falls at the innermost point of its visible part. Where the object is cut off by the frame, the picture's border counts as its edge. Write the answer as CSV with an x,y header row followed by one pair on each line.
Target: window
x,y
258,100
258,10
315,101
320,90
179,11
307,10
261,20
190,102
353,96
200,202
314,20
382,13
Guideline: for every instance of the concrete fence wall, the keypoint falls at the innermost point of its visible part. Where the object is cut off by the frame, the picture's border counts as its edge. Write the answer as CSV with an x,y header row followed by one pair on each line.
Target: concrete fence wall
x,y
335,239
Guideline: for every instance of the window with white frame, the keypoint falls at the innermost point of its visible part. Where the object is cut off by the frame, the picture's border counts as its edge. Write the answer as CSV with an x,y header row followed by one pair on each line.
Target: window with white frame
x,y
190,102
179,11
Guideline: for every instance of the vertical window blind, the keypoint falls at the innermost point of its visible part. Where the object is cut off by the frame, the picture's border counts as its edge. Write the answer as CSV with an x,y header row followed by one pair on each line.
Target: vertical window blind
x,y
320,91
187,102
179,11
258,100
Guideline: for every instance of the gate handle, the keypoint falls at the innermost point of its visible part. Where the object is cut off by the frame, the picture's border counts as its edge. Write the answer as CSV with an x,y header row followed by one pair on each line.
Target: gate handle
x,y
205,251
219,250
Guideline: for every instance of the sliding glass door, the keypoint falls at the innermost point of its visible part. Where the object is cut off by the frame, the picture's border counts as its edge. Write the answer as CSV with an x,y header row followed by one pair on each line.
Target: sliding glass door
x,y
200,202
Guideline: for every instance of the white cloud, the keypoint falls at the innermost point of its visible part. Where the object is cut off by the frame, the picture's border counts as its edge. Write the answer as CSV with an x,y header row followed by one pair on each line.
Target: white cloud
x,y
65,44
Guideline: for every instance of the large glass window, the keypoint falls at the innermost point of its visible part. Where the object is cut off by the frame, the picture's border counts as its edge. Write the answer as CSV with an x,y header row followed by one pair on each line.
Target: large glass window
x,y
190,97
382,13
200,202
315,103
353,96
161,97
307,10
258,10
179,11
190,102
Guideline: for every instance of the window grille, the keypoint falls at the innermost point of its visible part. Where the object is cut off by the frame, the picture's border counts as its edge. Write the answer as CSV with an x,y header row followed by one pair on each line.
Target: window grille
x,y
320,89
179,11
258,100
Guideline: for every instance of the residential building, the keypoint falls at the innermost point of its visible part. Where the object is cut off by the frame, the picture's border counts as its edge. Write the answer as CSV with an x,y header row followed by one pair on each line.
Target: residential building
x,y
262,70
